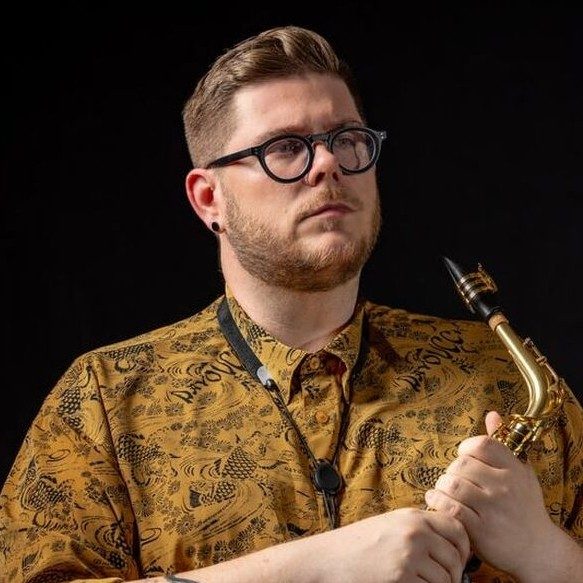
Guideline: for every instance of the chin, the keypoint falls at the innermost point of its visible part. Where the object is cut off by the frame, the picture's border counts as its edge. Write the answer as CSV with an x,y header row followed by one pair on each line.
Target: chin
x,y
335,239
338,246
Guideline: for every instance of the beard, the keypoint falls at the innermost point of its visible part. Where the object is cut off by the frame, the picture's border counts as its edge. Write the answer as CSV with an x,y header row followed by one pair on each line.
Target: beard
x,y
284,262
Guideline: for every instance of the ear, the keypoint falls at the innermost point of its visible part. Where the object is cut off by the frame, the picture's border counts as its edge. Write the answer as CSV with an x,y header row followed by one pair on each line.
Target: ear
x,y
200,189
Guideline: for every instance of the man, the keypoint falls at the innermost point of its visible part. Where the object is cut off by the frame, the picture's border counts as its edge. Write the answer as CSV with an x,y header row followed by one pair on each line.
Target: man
x,y
290,431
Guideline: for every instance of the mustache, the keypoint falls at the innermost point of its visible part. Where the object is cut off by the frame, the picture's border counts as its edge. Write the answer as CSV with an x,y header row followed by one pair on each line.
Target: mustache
x,y
329,197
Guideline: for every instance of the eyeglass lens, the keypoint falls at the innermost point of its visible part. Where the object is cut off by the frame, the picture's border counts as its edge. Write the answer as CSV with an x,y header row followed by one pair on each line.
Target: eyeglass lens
x,y
289,157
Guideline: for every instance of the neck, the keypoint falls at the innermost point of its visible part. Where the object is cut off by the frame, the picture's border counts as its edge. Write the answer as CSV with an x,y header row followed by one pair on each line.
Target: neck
x,y
299,319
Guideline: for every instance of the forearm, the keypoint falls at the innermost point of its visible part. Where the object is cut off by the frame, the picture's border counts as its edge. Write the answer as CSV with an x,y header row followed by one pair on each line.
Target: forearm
x,y
283,563
559,559
403,545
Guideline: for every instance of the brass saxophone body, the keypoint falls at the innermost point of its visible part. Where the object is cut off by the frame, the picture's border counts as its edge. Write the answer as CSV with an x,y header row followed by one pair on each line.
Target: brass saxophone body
x,y
546,389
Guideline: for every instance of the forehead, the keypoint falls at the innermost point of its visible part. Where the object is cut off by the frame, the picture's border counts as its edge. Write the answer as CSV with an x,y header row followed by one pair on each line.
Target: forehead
x,y
306,103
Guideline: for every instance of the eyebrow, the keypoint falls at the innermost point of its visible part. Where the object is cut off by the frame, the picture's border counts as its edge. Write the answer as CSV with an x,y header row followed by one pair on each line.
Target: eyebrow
x,y
295,129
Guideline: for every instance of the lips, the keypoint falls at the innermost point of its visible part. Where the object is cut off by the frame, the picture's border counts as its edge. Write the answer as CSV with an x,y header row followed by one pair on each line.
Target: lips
x,y
334,208
328,208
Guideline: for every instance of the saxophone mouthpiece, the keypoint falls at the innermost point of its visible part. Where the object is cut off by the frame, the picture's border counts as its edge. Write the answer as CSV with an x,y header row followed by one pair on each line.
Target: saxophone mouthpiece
x,y
456,272
477,289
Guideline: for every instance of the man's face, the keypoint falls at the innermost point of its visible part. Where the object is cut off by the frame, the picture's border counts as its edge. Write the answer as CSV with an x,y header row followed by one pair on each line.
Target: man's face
x,y
309,235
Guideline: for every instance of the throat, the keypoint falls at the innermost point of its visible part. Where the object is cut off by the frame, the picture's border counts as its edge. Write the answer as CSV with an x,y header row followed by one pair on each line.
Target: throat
x,y
305,321
317,343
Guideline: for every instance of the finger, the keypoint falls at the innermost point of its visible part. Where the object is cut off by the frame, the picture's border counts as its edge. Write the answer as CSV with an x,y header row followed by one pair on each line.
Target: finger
x,y
446,562
431,570
451,508
471,468
487,450
452,532
464,491
493,421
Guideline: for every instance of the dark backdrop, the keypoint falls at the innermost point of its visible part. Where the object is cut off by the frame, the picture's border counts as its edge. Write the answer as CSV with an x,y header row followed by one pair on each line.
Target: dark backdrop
x,y
483,107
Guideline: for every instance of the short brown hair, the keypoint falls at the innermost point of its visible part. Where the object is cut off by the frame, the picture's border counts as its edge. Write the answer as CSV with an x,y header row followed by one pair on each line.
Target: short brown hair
x,y
276,53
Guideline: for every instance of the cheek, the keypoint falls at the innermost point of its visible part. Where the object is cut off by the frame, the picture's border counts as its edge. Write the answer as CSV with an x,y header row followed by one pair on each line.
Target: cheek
x,y
276,206
370,199
263,216
254,191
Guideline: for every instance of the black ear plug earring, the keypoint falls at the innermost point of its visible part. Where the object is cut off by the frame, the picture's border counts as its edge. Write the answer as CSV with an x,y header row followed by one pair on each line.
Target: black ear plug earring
x,y
216,227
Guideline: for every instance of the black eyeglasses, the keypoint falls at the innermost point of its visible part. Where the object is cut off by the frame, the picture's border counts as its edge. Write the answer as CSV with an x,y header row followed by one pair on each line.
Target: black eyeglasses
x,y
289,157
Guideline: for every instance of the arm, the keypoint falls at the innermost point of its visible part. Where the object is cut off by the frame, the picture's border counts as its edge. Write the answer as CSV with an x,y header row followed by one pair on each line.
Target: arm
x,y
66,512
405,545
65,515
499,500
398,546
64,508
401,546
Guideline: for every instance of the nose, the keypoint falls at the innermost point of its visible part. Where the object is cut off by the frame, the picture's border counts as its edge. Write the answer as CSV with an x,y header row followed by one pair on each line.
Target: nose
x,y
324,163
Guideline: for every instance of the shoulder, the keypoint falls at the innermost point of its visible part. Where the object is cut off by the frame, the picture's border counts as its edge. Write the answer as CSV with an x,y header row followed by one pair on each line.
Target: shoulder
x,y
194,338
466,358
424,339
197,326
399,323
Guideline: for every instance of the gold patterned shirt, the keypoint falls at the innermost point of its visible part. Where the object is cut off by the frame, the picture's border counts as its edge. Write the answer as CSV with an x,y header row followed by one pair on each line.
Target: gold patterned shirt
x,y
162,453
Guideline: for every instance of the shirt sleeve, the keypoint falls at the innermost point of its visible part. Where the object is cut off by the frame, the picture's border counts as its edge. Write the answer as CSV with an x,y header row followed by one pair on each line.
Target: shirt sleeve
x,y
558,459
64,508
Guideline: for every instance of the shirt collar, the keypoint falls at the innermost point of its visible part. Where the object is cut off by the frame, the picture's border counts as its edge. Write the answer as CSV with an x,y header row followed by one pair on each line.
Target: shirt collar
x,y
281,361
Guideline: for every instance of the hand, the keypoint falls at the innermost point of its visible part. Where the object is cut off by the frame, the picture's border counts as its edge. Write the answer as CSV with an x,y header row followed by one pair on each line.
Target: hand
x,y
498,499
406,546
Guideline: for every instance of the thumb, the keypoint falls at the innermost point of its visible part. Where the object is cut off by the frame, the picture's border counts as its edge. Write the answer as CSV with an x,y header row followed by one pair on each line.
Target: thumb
x,y
493,420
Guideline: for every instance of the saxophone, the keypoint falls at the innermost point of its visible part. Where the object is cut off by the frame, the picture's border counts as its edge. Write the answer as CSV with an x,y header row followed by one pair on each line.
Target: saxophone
x,y
546,389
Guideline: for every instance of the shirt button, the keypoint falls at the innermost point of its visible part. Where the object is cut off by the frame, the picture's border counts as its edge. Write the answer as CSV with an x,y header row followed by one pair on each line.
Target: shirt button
x,y
322,417
314,363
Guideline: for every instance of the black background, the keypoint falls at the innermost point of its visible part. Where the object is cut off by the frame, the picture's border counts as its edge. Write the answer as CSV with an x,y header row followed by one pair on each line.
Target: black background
x,y
482,102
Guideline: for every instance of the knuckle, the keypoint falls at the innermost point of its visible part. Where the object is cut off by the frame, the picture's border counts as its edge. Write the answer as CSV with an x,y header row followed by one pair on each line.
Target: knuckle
x,y
455,510
484,443
459,514
460,463
441,481
452,484
475,445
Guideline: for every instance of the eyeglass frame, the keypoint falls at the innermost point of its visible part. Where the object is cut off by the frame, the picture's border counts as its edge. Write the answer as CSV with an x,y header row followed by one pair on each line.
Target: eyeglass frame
x,y
326,137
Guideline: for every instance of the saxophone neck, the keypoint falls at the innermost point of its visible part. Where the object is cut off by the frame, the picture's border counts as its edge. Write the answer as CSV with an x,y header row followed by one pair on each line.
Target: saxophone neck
x,y
524,354
545,388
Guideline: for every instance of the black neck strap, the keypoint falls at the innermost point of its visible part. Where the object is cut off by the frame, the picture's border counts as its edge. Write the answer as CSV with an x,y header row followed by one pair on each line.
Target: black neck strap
x,y
325,476
239,344
259,371
249,358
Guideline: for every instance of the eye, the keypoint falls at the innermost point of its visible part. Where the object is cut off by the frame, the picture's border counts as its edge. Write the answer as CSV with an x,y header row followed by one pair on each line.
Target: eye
x,y
350,139
286,147
344,141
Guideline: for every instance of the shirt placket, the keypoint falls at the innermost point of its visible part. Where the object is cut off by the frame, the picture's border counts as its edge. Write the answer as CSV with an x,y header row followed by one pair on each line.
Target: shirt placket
x,y
316,403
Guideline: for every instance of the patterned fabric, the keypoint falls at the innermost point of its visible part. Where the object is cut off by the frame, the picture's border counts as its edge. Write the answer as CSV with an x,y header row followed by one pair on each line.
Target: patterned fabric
x,y
162,453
